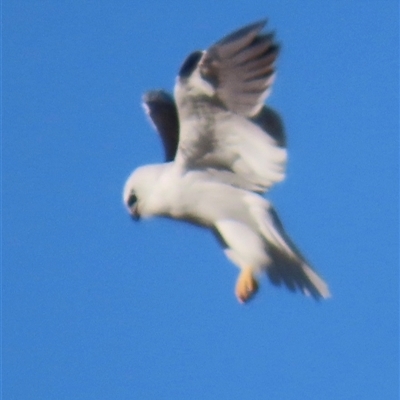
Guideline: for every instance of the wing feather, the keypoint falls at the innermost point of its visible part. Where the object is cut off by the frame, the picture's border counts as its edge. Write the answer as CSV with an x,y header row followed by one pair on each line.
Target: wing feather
x,y
234,42
233,64
161,108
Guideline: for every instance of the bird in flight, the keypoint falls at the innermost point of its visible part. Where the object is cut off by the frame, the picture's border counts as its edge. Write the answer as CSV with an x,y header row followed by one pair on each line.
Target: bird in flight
x,y
223,149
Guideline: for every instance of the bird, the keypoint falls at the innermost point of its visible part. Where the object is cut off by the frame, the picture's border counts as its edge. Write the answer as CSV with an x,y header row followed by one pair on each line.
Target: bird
x,y
224,149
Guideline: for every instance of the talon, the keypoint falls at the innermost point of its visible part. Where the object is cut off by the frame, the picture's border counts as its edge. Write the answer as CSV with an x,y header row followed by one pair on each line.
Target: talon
x,y
246,286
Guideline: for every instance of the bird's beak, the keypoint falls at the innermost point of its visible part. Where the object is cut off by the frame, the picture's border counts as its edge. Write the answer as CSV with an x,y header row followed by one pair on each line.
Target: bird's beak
x,y
135,213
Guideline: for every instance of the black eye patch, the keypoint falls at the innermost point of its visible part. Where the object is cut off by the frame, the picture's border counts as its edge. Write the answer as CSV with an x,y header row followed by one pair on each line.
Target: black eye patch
x,y
132,199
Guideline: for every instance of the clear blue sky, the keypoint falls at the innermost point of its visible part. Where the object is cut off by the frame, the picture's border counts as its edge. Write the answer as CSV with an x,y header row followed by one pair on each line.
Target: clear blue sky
x,y
98,307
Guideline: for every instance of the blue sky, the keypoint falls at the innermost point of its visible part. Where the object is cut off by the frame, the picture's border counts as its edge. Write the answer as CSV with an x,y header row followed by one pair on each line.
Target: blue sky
x,y
97,307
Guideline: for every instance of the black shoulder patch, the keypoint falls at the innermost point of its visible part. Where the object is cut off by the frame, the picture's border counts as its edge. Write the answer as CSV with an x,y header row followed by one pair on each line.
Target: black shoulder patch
x,y
162,110
190,64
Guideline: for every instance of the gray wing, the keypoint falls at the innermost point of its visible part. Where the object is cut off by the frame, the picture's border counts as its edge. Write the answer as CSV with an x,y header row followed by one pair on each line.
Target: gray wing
x,y
224,125
161,108
241,68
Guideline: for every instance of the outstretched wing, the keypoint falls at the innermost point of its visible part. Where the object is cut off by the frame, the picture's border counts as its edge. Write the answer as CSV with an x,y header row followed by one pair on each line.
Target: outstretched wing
x,y
224,124
241,68
161,108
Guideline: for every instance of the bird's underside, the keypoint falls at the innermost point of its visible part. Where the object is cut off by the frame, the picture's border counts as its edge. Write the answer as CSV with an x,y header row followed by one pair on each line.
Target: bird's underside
x,y
223,149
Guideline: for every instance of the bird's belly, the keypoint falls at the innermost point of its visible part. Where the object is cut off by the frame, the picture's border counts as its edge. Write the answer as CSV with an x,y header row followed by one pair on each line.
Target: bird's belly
x,y
204,203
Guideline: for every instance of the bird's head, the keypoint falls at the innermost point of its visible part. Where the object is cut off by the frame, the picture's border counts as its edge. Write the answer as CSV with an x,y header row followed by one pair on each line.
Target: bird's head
x,y
138,189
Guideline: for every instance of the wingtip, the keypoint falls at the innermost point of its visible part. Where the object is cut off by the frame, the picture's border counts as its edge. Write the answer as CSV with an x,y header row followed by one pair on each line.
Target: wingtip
x,y
261,23
256,25
155,95
253,28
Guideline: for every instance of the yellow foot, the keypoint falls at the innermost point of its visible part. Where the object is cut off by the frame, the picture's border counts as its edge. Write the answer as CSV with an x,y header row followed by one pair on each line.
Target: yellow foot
x,y
246,286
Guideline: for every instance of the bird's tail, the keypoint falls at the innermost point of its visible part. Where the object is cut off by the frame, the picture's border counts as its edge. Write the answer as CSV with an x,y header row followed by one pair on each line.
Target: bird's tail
x,y
288,266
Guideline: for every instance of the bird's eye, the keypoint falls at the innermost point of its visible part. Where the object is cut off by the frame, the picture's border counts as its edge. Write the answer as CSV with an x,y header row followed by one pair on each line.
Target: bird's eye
x,y
190,64
132,199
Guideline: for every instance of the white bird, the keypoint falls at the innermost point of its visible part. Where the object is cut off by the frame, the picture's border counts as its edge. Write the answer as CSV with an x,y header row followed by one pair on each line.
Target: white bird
x,y
224,148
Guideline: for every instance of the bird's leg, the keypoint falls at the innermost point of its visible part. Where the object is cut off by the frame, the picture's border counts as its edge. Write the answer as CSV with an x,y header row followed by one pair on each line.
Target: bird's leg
x,y
246,285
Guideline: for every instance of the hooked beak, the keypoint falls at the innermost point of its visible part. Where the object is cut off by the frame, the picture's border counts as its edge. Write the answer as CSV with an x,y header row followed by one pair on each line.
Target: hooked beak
x,y
135,213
